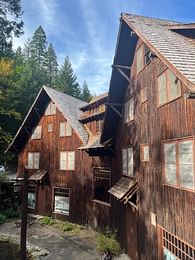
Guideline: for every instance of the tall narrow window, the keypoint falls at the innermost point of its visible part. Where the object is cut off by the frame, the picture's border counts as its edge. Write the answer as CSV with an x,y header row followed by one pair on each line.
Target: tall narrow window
x,y
33,160
179,163
127,156
144,150
129,110
140,58
61,200
50,127
36,133
51,109
67,160
169,87
65,129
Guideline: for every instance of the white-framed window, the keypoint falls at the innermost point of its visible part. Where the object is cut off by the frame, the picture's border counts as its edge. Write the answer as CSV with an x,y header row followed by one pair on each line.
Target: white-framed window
x,y
65,129
144,152
61,200
179,163
127,156
51,109
129,110
50,127
31,197
67,160
36,132
33,160
169,87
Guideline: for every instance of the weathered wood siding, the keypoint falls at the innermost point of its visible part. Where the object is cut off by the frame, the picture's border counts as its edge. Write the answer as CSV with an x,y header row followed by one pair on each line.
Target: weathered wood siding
x,y
82,208
175,208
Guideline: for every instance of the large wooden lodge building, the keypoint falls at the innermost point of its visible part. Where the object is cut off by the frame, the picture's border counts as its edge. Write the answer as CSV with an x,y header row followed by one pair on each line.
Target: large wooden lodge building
x,y
126,159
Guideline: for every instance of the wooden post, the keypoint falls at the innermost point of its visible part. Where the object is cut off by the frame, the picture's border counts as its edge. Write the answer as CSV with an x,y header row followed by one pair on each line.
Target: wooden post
x,y
24,216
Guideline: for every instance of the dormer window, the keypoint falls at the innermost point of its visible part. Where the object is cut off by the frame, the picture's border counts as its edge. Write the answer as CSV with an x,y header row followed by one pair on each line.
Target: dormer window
x,y
51,109
169,87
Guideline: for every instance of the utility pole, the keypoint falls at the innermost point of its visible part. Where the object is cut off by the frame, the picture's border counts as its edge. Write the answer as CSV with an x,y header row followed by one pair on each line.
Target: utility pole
x,y
24,213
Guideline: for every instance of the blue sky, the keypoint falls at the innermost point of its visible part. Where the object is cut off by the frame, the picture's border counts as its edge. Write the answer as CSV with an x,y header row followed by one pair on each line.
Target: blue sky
x,y
86,30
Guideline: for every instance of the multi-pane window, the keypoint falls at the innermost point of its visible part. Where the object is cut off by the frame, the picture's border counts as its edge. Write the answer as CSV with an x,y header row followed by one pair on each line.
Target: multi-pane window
x,y
101,184
67,160
36,133
169,87
143,57
129,110
33,160
31,197
50,127
174,248
143,94
127,156
61,200
51,109
144,152
179,163
65,129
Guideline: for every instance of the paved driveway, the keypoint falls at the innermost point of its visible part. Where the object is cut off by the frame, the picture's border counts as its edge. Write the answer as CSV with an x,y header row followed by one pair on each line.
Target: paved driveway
x,y
57,245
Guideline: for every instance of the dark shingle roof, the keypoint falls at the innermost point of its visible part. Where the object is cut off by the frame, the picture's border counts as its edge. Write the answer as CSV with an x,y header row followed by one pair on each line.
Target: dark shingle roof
x,y
70,108
177,49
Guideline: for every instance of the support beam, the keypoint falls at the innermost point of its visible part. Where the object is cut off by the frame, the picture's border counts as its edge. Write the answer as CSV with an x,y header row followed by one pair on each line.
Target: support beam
x,y
124,75
121,66
116,111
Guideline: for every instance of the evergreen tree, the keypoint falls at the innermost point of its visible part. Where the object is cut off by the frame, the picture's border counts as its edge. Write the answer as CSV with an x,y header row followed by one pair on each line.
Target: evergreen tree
x,y
51,65
67,80
10,24
38,46
86,95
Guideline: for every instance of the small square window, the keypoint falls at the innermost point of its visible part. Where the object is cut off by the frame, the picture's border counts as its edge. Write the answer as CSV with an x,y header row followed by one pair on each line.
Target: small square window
x,y
50,127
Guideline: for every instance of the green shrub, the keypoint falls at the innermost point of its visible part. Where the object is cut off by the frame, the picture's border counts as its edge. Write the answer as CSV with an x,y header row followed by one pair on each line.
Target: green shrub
x,y
108,243
11,213
48,221
2,218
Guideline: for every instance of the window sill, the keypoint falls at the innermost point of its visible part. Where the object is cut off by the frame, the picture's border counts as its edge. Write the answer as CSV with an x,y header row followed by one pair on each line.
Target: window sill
x,y
168,102
102,202
178,188
60,213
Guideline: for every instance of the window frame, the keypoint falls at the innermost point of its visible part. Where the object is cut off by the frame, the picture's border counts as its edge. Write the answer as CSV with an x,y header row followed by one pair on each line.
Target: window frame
x,y
67,161
127,117
94,198
48,127
142,146
33,167
127,163
53,198
145,52
37,134
49,111
65,129
176,142
167,87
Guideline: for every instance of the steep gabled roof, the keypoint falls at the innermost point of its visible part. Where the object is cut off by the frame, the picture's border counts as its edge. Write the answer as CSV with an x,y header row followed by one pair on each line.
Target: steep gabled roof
x,y
165,39
174,49
67,105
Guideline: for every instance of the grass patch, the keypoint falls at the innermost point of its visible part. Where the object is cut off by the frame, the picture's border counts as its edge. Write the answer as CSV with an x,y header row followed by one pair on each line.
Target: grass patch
x,y
107,243
65,226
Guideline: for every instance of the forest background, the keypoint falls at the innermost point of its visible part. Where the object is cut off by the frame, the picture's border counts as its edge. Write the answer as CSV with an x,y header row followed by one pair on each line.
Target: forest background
x,y
24,71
